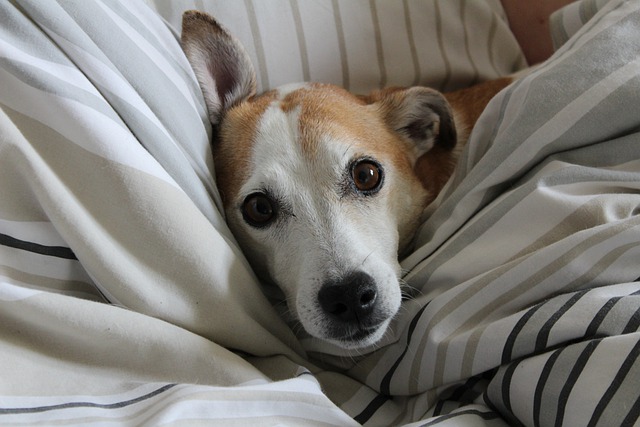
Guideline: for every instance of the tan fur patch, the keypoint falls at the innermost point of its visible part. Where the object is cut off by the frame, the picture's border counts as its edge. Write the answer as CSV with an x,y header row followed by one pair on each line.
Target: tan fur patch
x,y
470,102
434,169
232,151
327,110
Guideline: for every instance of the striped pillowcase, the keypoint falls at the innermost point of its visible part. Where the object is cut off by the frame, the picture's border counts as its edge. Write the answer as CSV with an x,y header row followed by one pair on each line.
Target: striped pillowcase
x,y
363,45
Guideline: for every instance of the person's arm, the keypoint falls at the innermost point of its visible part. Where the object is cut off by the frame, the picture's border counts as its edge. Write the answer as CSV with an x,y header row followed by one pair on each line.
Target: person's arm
x,y
529,22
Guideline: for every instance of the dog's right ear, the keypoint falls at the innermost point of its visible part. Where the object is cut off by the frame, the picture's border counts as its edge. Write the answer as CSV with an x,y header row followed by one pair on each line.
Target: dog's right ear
x,y
420,114
221,64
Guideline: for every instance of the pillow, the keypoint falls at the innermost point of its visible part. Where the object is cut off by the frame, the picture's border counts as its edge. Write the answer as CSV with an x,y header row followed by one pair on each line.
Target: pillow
x,y
363,45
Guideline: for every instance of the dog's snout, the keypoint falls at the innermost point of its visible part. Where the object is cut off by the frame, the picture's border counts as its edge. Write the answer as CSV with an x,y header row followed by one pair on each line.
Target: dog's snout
x,y
351,299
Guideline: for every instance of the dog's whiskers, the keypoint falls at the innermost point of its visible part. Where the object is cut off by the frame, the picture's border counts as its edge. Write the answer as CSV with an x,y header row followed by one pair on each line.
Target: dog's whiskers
x,y
407,291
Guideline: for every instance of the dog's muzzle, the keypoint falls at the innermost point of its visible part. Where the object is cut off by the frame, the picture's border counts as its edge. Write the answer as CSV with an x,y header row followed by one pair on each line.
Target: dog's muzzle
x,y
350,305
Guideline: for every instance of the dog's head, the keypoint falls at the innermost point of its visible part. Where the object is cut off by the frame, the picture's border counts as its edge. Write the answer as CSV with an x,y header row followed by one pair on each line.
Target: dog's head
x,y
318,184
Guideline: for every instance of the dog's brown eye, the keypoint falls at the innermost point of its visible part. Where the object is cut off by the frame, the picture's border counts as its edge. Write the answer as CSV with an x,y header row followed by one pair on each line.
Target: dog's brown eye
x,y
367,176
258,210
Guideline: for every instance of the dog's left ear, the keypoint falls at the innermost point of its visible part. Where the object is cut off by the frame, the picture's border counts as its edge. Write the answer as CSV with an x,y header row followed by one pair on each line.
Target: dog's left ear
x,y
421,114
221,64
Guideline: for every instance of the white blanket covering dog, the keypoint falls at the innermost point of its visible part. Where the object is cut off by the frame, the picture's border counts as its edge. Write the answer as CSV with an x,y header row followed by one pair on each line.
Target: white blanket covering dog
x,y
124,299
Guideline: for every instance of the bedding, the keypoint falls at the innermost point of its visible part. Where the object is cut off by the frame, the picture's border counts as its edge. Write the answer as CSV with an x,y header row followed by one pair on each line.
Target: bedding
x,y
363,45
125,300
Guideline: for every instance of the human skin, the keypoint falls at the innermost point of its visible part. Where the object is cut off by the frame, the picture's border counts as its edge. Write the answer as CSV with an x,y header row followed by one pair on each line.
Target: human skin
x,y
529,22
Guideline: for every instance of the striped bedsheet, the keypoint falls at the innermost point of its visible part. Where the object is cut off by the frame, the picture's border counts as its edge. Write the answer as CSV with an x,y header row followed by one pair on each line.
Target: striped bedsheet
x,y
125,300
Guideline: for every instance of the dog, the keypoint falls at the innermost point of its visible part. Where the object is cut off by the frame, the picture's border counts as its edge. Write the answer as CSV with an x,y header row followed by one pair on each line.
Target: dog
x,y
324,189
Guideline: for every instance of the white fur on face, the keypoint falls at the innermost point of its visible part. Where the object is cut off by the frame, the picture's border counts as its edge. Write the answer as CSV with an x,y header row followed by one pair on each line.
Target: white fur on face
x,y
323,230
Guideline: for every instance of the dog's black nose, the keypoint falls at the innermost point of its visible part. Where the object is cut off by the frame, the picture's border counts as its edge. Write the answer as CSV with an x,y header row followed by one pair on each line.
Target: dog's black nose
x,y
350,299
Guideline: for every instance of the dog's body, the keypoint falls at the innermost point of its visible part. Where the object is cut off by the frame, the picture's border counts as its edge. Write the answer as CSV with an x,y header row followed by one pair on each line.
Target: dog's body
x,y
323,188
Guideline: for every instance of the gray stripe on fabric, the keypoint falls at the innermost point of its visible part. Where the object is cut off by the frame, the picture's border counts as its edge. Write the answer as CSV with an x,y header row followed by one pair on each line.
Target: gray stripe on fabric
x,y
180,160
85,404
154,140
128,32
491,41
462,417
551,269
620,397
105,44
572,108
588,9
588,124
342,46
439,31
412,43
498,393
554,313
16,30
610,325
302,41
606,155
472,156
68,287
558,32
175,157
588,27
263,72
559,377
378,39
140,29
108,42
37,249
574,376
598,43
463,17
524,343
568,225
506,296
169,8
168,53
40,79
